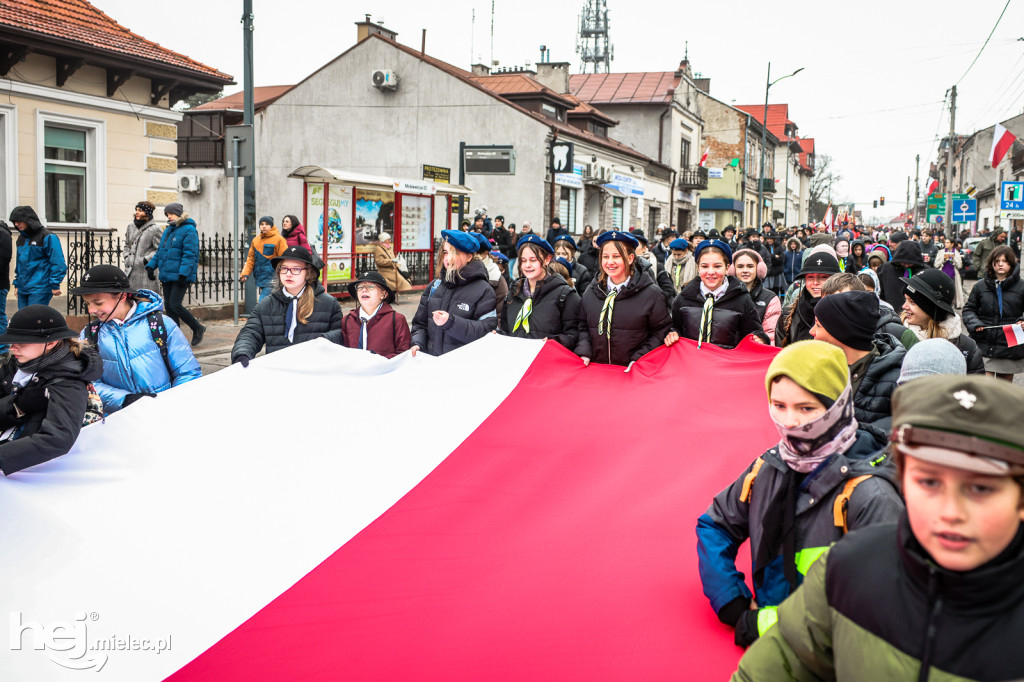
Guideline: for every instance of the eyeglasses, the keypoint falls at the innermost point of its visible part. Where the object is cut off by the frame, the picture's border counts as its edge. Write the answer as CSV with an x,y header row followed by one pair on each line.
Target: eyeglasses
x,y
366,287
292,271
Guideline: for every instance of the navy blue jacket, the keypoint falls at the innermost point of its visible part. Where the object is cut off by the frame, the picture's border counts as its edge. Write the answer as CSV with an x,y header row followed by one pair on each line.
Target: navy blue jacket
x,y
178,253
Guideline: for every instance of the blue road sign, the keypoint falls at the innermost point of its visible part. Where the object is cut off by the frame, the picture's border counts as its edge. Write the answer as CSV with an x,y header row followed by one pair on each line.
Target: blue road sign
x,y
965,211
1012,197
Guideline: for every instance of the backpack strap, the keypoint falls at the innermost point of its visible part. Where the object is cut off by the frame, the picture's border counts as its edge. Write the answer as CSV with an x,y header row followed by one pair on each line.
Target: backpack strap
x,y
748,480
158,330
842,503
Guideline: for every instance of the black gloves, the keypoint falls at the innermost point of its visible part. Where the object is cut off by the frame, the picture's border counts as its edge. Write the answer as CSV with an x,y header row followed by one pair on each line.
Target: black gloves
x,y
32,398
746,629
182,279
151,274
731,612
132,397
243,360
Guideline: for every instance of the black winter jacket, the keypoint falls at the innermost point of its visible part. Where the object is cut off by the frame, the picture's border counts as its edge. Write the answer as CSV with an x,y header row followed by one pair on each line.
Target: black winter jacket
x,y
640,321
590,258
890,274
733,317
267,324
51,433
872,403
555,313
581,277
470,304
776,260
6,253
982,310
663,280
503,240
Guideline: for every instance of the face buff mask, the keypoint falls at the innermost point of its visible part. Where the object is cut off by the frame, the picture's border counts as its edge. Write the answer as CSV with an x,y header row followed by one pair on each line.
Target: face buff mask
x,y
803,448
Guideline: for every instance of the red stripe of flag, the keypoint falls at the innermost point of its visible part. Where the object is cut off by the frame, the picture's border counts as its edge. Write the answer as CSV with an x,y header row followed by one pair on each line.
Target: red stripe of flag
x,y
1014,334
1002,140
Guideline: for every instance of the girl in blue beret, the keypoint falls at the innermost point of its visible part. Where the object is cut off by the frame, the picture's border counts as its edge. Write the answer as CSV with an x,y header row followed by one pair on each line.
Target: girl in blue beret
x,y
541,304
458,307
623,311
679,264
715,307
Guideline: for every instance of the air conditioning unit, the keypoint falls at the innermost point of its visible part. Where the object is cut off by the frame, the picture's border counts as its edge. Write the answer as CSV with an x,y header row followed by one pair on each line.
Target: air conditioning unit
x,y
383,79
189,183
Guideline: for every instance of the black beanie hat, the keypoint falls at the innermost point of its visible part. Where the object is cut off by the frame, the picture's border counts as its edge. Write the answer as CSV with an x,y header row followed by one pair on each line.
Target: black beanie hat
x,y
269,220
850,317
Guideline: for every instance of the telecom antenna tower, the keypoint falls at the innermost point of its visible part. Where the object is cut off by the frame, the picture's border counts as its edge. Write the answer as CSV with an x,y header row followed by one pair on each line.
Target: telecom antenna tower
x,y
594,47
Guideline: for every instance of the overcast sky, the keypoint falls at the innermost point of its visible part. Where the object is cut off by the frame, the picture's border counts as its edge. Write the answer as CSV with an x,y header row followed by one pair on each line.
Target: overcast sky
x,y
871,92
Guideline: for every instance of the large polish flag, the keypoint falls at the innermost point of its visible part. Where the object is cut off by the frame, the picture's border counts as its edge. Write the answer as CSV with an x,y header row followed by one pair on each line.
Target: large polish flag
x,y
500,513
1002,140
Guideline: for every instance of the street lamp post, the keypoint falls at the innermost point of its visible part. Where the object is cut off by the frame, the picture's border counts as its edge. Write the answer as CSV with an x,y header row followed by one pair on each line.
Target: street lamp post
x,y
764,138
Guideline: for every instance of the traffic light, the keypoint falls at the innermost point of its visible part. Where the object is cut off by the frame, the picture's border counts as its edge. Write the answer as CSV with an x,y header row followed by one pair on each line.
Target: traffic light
x,y
881,201
876,203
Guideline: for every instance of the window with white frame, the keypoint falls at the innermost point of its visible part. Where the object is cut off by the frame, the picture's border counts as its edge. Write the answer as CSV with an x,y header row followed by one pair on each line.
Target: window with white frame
x,y
8,161
71,170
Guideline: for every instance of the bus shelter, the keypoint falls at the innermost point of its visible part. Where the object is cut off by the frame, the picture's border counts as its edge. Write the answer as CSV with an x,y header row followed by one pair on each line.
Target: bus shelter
x,y
344,212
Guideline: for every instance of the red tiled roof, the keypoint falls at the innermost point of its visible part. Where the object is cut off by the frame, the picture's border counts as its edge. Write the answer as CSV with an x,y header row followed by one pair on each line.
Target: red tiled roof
x,y
807,144
624,88
262,96
778,117
77,21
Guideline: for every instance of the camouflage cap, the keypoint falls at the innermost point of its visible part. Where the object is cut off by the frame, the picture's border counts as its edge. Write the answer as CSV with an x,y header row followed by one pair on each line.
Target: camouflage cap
x,y
965,422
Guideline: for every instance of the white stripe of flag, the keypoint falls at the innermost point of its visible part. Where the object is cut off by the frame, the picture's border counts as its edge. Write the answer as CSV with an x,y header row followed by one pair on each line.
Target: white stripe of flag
x,y
1014,334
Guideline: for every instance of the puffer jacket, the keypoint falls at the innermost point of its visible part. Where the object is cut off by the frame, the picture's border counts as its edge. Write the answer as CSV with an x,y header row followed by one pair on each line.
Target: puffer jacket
x,y
952,330
554,314
40,266
589,257
776,261
878,607
768,307
855,263
263,248
660,277
131,358
296,236
872,403
581,277
733,317
387,332
51,433
729,522
140,245
640,321
6,253
178,253
985,248
471,307
792,260
267,324
983,310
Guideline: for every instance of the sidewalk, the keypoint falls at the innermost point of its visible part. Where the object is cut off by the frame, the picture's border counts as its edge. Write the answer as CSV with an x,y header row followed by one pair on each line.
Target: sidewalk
x,y
214,353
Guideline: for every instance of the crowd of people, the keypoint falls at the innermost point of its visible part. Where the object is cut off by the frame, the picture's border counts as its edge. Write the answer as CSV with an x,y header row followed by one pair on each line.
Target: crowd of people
x,y
897,483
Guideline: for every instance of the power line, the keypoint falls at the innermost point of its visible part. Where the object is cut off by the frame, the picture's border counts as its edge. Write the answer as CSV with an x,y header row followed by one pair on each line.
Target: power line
x,y
1007,5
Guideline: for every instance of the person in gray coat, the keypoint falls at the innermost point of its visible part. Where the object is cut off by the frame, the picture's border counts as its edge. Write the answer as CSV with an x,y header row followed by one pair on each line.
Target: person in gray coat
x,y
140,244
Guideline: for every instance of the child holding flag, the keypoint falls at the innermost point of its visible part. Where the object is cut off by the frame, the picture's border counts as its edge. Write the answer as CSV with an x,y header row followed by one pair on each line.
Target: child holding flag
x,y
996,302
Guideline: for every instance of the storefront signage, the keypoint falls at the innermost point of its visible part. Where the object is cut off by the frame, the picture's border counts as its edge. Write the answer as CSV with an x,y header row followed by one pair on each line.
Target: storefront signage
x,y
415,187
715,173
627,184
437,173
574,179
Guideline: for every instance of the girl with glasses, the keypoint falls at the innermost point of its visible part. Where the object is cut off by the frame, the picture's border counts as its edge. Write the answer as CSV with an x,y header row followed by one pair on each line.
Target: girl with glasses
x,y
298,310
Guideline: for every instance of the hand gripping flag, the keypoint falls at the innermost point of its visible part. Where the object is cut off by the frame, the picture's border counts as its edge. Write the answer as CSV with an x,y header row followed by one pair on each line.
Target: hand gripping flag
x,y
404,523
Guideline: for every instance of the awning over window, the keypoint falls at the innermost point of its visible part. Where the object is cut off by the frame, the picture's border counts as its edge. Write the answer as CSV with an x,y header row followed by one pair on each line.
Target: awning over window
x,y
379,182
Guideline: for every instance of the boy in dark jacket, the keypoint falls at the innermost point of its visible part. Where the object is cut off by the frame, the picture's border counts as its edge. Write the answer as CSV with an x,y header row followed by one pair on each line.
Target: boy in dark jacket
x,y
375,326
938,594
40,268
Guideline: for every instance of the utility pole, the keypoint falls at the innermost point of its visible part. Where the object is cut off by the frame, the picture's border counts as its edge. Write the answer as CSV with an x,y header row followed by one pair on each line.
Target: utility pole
x,y
908,195
949,162
249,188
917,188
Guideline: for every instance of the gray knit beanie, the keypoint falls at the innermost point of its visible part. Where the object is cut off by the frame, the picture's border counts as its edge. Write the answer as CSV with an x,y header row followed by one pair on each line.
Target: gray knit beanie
x,y
932,356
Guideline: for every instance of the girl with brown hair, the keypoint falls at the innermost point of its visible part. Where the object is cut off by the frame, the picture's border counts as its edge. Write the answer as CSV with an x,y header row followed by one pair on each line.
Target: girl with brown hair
x,y
541,304
300,309
623,311
997,300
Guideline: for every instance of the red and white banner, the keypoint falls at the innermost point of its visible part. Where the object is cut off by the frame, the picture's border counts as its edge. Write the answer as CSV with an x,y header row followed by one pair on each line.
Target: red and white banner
x,y
1002,140
704,157
829,220
1014,335
501,512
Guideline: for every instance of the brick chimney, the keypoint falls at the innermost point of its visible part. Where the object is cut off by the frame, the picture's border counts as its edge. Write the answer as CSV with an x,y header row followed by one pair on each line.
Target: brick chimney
x,y
703,84
554,75
480,70
366,28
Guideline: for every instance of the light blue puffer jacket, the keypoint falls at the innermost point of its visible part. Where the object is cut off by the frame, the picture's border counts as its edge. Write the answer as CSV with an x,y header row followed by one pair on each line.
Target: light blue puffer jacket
x,y
131,359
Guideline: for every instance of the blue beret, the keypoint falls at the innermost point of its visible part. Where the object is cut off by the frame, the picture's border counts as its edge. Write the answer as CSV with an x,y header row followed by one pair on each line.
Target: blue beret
x,y
640,237
536,241
463,241
499,256
567,239
617,236
484,242
679,244
718,244
566,264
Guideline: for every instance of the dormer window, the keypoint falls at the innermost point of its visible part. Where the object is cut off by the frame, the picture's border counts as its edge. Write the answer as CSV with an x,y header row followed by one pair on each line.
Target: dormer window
x,y
551,111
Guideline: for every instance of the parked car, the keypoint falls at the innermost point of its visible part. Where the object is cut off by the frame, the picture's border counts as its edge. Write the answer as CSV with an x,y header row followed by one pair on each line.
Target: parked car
x,y
969,271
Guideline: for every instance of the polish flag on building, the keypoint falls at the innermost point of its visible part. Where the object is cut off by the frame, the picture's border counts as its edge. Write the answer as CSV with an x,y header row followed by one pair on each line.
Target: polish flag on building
x,y
1014,335
409,520
829,220
934,185
1002,140
704,157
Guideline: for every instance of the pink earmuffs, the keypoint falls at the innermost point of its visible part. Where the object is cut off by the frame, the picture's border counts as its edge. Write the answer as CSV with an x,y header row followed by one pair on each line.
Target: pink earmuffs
x,y
762,269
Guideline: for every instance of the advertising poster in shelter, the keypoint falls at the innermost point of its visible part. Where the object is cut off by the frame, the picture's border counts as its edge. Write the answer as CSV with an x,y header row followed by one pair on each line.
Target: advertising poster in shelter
x,y
375,213
337,233
416,223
